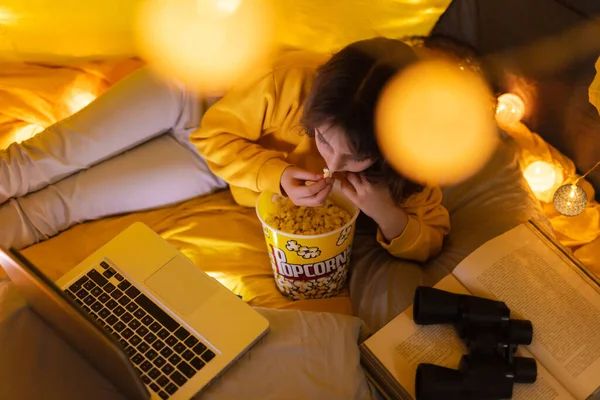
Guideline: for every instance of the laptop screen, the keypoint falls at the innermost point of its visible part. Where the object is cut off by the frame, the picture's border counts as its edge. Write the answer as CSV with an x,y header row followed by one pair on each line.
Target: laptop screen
x,y
72,324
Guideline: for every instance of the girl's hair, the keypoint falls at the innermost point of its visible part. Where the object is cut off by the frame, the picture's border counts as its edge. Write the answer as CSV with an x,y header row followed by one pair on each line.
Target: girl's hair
x,y
345,94
462,53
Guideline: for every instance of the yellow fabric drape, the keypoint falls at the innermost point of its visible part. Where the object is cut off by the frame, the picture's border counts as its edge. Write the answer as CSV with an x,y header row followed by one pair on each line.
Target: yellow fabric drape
x,y
580,234
61,30
595,88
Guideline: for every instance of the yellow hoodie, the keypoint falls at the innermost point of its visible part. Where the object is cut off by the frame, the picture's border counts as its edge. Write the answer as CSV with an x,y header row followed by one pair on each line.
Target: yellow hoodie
x,y
253,133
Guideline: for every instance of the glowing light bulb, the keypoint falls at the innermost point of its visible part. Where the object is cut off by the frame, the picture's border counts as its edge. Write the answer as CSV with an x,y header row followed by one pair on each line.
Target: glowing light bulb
x,y
541,176
78,99
570,200
27,132
510,109
433,124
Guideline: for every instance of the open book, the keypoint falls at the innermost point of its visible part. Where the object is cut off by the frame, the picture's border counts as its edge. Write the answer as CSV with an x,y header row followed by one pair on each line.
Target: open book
x,y
539,281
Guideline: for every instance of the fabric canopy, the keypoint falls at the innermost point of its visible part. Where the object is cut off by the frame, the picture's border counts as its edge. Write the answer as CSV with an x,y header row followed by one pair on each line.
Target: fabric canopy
x,y
39,30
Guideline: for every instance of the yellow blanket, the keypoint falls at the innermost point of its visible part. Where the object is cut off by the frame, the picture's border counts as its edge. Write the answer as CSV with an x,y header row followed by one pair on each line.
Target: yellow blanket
x,y
202,228
220,237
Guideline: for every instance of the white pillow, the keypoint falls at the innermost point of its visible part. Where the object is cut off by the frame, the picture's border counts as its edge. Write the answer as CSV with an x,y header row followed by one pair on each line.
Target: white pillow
x,y
306,355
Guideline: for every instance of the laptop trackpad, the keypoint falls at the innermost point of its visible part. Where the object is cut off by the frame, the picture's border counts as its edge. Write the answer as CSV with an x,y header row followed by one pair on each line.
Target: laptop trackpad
x,y
182,286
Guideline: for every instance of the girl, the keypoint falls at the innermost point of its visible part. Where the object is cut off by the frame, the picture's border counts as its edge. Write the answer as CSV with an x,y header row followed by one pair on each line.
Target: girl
x,y
138,147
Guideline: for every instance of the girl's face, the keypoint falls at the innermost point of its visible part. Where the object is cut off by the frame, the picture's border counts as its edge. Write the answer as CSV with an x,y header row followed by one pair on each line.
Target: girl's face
x,y
337,151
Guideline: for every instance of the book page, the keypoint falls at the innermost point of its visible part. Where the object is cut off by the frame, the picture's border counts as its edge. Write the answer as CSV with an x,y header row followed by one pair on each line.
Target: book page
x,y
545,387
402,345
536,284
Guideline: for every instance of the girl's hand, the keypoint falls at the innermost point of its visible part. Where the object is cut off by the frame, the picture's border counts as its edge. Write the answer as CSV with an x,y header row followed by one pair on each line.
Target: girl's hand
x,y
294,184
376,202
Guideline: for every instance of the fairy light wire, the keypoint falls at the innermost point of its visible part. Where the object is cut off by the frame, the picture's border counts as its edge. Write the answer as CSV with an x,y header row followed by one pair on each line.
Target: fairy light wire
x,y
587,173
570,177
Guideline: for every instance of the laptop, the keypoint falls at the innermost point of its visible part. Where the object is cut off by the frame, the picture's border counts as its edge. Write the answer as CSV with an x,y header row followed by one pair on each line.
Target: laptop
x,y
143,314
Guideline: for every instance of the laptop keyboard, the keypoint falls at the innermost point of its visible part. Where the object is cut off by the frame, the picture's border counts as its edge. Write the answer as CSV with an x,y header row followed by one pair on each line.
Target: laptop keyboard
x,y
165,354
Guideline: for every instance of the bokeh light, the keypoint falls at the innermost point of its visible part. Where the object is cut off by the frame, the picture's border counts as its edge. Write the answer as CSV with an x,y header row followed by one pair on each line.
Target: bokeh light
x,y
542,177
435,124
226,6
206,44
510,109
6,16
27,132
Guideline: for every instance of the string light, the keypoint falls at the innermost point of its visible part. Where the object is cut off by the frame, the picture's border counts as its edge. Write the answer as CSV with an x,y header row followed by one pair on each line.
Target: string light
x,y
510,109
27,132
541,176
78,99
570,199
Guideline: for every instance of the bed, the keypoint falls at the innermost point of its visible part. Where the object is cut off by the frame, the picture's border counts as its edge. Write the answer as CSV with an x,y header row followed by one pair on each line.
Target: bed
x,y
238,258
198,227
493,201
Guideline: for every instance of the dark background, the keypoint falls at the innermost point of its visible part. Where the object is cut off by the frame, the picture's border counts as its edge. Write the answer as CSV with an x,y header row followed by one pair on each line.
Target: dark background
x,y
552,46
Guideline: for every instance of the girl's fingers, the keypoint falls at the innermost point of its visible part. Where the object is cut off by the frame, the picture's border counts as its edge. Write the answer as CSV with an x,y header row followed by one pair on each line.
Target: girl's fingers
x,y
303,175
310,190
355,181
349,191
320,198
313,197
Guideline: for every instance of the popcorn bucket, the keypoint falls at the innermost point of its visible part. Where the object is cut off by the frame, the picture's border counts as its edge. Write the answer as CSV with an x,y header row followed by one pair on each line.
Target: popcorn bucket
x,y
308,266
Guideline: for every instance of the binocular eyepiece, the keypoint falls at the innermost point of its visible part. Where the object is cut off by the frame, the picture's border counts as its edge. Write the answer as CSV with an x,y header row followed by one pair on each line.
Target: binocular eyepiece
x,y
490,369
477,378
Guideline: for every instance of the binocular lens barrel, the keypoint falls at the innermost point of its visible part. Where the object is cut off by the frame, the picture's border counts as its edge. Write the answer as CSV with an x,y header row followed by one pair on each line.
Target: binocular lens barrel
x,y
520,331
477,378
525,370
434,383
433,306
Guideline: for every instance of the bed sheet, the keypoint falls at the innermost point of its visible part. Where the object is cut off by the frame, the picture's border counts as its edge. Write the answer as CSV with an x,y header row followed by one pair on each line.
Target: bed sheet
x,y
201,228
220,237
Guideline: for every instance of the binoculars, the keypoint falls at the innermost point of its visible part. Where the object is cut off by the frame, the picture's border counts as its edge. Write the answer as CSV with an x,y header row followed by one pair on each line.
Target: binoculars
x,y
491,368
477,378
